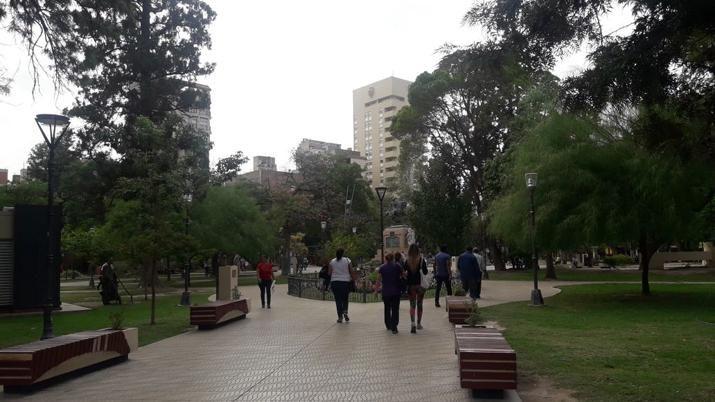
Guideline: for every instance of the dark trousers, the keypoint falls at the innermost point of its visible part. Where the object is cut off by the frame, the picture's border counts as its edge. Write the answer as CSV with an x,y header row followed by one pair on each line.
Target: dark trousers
x,y
475,287
341,291
440,281
392,311
265,285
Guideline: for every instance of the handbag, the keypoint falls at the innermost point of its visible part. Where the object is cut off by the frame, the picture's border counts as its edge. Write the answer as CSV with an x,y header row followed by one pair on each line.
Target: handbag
x,y
425,278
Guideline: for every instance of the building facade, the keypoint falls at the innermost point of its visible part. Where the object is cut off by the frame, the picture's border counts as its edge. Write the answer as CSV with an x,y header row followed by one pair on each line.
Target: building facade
x,y
3,177
264,163
374,107
317,147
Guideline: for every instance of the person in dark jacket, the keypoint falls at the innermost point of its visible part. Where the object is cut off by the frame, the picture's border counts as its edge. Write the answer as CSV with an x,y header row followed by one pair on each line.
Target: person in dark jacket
x,y
415,267
469,272
442,272
390,275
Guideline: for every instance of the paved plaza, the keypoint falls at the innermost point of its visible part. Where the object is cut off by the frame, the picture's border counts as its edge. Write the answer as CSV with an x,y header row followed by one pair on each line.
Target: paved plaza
x,y
294,351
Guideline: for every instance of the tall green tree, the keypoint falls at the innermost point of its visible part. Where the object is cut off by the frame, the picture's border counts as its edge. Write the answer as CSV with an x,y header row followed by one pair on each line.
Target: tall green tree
x,y
146,222
440,210
469,105
228,220
599,186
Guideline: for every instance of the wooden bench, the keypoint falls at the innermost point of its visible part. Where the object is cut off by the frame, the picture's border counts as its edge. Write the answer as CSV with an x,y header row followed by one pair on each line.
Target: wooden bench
x,y
215,313
25,367
487,364
458,308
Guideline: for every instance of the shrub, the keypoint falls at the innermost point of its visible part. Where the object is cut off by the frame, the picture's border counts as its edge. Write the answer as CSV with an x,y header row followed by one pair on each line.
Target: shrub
x,y
117,319
475,317
459,292
617,259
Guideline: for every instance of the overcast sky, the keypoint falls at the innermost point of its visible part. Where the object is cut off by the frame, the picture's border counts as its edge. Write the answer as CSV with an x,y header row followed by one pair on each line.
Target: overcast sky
x,y
285,70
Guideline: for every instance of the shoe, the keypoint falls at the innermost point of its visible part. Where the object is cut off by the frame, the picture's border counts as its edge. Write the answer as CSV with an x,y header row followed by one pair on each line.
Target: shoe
x,y
395,331
413,330
347,319
263,306
419,326
437,305
340,320
269,306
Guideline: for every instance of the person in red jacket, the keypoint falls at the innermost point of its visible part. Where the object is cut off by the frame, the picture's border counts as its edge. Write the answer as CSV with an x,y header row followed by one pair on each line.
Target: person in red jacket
x,y
264,271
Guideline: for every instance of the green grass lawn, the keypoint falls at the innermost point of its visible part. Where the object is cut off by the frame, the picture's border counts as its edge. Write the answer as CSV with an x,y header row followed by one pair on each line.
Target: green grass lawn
x,y
607,342
170,320
567,274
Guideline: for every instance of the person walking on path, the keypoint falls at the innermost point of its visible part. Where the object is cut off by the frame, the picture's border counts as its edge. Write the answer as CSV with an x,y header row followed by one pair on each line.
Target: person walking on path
x,y
480,260
415,268
341,275
390,275
469,272
264,271
442,272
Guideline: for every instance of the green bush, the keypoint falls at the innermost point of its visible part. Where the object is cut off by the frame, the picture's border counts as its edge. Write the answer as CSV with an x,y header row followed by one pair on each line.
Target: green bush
x,y
617,259
459,292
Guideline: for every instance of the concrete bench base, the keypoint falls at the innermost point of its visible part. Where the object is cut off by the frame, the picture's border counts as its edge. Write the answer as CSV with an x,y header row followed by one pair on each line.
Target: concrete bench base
x,y
213,314
486,361
26,367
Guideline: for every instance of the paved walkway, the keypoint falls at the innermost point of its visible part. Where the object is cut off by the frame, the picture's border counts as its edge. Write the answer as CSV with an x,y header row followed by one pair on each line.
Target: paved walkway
x,y
295,351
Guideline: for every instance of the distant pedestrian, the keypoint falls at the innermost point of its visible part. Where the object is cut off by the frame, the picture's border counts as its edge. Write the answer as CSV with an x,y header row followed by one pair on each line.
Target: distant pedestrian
x,y
471,276
264,271
325,275
341,276
415,268
480,260
442,273
390,274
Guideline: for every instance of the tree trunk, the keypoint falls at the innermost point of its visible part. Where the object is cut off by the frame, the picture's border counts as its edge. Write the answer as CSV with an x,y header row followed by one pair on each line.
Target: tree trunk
x,y
497,256
645,253
550,268
168,269
153,292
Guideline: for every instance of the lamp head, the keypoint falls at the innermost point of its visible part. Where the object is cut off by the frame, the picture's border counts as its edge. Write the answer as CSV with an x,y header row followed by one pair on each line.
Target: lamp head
x,y
323,224
56,120
381,192
531,179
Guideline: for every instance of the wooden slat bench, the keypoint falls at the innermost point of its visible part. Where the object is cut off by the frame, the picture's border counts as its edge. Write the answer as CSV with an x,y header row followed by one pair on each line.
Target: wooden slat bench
x,y
458,308
25,367
212,314
487,364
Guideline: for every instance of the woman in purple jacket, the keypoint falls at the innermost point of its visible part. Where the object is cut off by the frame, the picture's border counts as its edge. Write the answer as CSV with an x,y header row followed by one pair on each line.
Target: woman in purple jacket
x,y
390,274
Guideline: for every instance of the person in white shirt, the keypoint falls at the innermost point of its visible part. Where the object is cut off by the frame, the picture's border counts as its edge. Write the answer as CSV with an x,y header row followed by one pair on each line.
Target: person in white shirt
x,y
341,274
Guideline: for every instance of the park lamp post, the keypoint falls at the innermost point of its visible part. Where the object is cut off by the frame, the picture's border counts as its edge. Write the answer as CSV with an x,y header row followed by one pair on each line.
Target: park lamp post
x,y
53,127
186,296
536,298
381,195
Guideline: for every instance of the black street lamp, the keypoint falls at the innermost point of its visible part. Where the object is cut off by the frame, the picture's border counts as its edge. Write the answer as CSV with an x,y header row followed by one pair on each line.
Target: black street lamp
x,y
536,298
186,296
381,195
53,124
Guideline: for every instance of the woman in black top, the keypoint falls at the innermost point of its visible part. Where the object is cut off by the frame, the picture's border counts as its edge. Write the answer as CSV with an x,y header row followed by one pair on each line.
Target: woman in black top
x,y
415,267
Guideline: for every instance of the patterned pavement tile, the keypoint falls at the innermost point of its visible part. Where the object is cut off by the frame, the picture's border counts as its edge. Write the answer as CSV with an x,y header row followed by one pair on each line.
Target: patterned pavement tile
x,y
294,351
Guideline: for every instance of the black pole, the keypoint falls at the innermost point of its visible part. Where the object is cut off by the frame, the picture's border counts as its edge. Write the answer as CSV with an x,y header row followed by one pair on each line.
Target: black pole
x,y
382,235
186,296
536,298
47,330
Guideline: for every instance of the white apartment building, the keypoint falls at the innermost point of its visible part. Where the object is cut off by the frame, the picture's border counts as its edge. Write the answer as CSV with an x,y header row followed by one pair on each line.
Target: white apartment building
x,y
374,108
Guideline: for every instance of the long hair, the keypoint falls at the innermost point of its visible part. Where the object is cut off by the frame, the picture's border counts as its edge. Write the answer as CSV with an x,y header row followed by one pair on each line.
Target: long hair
x,y
413,257
339,254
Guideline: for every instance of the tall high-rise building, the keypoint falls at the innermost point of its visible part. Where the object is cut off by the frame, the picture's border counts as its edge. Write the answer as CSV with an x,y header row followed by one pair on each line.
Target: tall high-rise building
x,y
3,177
374,108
